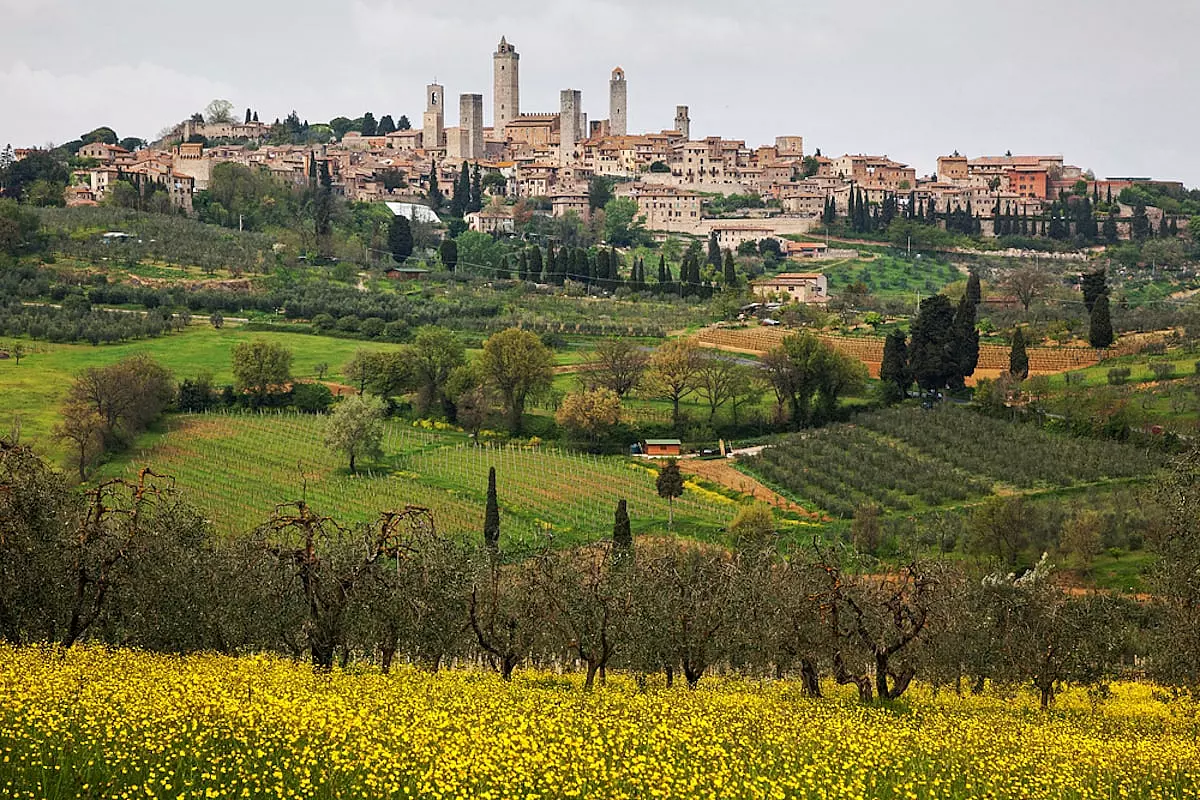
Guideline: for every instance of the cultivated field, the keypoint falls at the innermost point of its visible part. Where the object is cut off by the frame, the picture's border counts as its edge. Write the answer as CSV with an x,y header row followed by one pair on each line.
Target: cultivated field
x,y
236,467
101,723
909,459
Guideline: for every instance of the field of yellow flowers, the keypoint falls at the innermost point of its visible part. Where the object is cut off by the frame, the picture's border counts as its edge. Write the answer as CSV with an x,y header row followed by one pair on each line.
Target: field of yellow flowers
x,y
92,723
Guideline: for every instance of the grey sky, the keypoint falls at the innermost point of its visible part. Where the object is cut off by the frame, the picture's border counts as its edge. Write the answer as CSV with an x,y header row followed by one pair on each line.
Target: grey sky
x,y
1107,83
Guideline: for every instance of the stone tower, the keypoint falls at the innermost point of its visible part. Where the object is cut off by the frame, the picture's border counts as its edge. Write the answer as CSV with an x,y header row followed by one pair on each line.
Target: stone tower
x,y
683,123
434,122
506,86
470,125
616,103
570,123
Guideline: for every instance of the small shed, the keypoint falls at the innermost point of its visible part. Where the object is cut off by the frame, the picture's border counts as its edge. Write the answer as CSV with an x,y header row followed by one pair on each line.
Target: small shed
x,y
662,447
406,273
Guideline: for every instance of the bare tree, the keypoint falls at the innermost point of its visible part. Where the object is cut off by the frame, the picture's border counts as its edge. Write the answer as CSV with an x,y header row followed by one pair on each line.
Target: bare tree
x,y
1027,282
618,364
717,377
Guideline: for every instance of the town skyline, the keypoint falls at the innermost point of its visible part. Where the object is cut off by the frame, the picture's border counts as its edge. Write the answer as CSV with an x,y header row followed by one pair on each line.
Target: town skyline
x,y
729,94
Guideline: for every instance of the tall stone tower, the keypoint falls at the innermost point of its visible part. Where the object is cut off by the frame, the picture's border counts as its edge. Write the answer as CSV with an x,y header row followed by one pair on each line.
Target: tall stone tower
x,y
616,103
470,125
570,123
683,123
433,123
506,86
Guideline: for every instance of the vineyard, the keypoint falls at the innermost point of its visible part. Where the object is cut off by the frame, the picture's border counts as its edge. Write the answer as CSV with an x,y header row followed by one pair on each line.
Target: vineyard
x,y
236,468
907,459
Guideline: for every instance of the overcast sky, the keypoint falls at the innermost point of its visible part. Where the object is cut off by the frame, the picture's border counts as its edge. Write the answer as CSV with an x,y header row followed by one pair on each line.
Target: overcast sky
x,y
1108,84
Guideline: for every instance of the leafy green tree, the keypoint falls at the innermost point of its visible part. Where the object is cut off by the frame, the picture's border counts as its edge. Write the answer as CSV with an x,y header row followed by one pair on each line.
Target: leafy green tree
x,y
400,238
18,227
434,356
39,166
893,371
369,126
356,428
491,515
260,367
1018,357
1100,329
932,356
599,192
672,372
622,225
519,366
669,485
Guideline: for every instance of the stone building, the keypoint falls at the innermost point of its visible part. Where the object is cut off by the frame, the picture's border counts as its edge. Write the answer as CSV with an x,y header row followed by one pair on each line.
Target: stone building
x,y
506,86
570,129
470,126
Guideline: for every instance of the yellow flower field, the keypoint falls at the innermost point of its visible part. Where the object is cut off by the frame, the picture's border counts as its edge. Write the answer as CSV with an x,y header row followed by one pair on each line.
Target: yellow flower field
x,y
111,724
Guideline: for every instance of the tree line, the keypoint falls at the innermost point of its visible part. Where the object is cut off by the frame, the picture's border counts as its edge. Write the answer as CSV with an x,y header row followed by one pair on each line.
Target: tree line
x,y
129,563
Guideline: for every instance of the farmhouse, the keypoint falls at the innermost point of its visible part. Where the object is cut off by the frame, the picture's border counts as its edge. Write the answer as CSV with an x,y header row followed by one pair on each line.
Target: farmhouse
x,y
798,287
806,249
662,447
406,273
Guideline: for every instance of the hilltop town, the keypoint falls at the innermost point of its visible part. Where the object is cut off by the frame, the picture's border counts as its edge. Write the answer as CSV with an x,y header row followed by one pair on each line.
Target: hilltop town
x,y
551,157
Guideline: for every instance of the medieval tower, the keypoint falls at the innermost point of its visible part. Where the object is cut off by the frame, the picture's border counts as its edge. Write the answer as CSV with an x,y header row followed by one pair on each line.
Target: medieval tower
x,y
683,123
506,86
470,125
434,122
616,103
570,123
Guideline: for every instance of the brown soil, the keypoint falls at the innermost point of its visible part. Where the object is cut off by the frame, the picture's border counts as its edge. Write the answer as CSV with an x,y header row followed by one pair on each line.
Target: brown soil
x,y
727,475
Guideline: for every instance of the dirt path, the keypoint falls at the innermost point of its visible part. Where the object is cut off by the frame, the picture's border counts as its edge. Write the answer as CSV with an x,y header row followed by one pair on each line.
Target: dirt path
x,y
727,475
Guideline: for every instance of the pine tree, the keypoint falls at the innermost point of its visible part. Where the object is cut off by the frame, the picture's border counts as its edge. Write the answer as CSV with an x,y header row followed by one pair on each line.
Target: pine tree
x,y
731,279
1100,329
491,516
461,202
622,532
247,116
369,127
434,194
400,239
894,369
1018,358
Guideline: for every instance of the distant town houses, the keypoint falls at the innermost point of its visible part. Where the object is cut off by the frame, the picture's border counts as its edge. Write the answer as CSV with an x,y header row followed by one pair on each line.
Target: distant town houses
x,y
553,155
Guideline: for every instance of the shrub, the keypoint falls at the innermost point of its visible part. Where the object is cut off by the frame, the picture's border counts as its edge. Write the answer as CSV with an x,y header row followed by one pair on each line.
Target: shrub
x,y
1163,370
1118,376
312,398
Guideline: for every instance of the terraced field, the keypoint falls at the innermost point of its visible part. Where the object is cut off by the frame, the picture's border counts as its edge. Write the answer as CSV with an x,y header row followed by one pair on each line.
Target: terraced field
x,y
238,467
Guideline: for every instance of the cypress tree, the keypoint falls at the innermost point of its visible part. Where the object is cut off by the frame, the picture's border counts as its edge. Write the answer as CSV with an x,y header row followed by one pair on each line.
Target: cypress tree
x,y
476,190
662,270
1100,329
622,533
932,356
966,341
1018,358
247,116
714,250
730,270
491,516
1094,284
400,239
523,266
974,289
551,263
894,369
434,194
460,203
535,264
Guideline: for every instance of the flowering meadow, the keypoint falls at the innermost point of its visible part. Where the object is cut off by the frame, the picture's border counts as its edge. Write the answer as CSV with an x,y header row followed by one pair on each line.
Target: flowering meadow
x,y
97,723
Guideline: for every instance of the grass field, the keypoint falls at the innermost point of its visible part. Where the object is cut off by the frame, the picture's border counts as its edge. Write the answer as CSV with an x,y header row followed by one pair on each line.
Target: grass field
x,y
236,468
892,277
93,723
33,391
